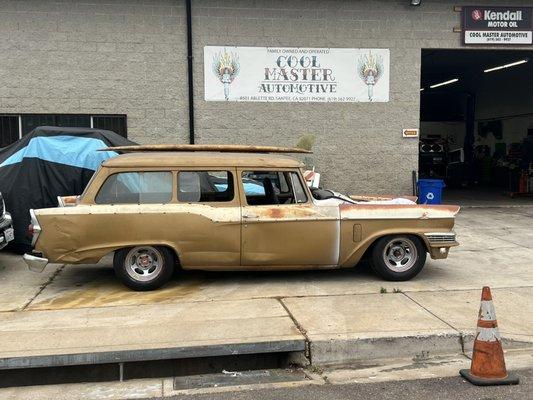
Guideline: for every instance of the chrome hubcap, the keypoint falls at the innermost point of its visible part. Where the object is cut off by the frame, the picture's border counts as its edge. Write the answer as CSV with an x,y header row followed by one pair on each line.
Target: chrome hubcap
x,y
400,254
144,263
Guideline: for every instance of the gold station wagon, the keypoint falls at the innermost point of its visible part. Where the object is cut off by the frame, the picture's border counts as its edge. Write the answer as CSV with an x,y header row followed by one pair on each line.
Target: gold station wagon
x,y
230,208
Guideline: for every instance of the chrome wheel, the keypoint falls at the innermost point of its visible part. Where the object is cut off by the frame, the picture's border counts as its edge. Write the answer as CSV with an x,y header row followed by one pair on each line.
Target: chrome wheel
x,y
400,254
144,263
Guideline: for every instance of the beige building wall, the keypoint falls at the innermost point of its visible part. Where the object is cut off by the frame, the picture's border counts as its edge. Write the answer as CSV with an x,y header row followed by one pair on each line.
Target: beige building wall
x,y
129,57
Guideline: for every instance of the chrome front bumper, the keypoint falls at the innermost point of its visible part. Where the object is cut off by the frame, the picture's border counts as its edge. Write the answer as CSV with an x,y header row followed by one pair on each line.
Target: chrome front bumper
x,y
34,263
441,238
440,243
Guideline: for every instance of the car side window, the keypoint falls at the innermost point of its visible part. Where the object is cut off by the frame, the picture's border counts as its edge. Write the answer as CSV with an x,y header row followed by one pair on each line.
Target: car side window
x,y
272,187
205,186
136,188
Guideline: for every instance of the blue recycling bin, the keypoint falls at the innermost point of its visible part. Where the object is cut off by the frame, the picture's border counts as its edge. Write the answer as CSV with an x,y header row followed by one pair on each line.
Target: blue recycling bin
x,y
430,191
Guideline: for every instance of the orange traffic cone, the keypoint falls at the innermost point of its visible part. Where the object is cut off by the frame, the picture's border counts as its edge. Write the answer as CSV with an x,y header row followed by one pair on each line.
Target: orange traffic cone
x,y
488,363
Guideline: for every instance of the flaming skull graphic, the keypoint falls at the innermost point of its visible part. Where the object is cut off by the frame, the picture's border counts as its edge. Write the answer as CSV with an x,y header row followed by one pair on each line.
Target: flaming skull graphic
x,y
226,68
370,70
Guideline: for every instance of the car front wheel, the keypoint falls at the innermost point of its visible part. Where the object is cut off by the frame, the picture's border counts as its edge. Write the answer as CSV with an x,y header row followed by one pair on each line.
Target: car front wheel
x,y
144,267
398,258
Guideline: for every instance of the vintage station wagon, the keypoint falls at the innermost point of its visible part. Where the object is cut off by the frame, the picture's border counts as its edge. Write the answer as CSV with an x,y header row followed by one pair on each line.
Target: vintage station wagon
x,y
236,208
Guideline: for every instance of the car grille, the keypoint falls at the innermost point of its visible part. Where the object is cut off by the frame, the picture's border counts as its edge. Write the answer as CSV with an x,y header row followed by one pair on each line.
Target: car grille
x,y
441,237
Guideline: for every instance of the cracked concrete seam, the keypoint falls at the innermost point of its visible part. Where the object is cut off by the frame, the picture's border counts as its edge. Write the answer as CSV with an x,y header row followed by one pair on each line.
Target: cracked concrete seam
x,y
42,287
300,328
461,335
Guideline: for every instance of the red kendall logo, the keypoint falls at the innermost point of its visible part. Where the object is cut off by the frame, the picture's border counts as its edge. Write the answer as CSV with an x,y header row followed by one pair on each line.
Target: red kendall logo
x,y
477,15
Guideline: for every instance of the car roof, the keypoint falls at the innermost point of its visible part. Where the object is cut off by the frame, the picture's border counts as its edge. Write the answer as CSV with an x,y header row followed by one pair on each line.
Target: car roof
x,y
201,159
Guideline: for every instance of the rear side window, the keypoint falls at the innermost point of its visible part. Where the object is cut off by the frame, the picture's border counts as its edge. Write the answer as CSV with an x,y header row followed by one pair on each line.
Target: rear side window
x,y
205,186
136,188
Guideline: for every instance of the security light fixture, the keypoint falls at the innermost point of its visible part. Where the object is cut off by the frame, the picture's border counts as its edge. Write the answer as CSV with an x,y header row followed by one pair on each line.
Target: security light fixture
x,y
525,60
444,83
416,2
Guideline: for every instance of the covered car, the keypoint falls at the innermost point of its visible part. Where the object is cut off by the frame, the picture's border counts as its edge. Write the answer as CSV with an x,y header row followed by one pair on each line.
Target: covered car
x,y
47,163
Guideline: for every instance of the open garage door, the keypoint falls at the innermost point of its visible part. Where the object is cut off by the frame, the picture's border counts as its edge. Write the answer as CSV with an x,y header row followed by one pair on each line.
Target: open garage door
x,y
476,128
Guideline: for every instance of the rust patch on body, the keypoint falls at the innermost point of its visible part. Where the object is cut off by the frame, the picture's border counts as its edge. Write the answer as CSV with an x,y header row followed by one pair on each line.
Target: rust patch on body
x,y
425,207
380,197
286,212
275,213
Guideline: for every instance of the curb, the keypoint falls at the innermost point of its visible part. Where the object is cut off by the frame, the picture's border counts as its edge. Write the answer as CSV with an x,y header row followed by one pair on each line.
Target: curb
x,y
354,350
190,352
416,347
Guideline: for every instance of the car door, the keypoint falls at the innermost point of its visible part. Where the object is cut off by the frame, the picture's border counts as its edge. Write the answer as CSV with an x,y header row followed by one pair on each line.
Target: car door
x,y
208,219
281,226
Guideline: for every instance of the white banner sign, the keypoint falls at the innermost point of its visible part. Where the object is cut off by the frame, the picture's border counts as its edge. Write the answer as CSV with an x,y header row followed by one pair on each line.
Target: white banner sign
x,y
496,37
296,74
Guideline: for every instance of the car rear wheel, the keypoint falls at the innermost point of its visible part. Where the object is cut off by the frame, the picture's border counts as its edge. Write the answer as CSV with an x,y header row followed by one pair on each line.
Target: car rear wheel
x,y
398,258
144,267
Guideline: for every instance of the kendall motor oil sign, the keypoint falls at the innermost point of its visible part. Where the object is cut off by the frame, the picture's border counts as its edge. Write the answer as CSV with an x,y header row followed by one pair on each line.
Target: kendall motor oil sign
x,y
485,25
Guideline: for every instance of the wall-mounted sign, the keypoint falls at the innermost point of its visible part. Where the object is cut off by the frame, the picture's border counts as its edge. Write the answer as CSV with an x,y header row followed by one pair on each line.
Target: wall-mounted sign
x,y
410,133
485,25
274,74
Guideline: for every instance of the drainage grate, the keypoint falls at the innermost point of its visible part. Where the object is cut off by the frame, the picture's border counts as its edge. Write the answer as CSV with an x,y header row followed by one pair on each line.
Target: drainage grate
x,y
188,368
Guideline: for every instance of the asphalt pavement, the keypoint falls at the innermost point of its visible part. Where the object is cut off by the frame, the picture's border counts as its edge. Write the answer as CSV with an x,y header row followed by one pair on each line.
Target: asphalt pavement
x,y
435,389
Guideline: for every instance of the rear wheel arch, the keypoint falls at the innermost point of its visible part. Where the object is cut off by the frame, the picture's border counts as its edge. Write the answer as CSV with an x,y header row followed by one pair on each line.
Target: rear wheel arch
x,y
173,249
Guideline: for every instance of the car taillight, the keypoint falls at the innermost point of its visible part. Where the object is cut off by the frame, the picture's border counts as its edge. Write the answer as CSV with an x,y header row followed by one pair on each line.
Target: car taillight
x,y
34,228
30,231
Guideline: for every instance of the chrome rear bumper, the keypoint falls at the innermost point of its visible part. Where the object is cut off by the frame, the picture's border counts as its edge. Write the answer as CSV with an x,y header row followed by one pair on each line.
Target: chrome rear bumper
x,y
34,263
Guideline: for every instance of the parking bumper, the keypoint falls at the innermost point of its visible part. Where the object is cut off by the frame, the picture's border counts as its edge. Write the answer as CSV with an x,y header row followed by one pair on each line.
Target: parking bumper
x,y
34,263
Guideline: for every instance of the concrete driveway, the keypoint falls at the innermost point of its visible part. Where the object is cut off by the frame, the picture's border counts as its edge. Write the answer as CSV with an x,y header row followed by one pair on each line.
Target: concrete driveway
x,y
340,316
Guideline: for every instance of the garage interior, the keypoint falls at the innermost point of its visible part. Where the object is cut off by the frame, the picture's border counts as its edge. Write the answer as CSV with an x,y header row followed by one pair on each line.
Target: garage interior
x,y
476,123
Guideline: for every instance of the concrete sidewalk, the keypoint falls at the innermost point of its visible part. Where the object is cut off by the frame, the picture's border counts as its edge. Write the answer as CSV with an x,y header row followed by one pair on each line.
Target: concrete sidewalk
x,y
145,332
79,314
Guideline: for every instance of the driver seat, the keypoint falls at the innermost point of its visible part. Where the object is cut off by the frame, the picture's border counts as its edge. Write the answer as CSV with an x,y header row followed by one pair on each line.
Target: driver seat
x,y
270,194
